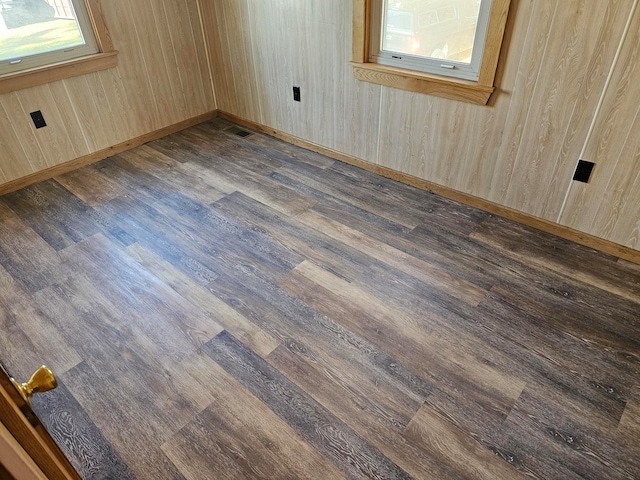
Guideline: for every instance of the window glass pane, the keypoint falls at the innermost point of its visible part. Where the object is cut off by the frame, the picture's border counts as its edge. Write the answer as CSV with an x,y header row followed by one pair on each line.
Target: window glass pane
x,y
443,29
30,27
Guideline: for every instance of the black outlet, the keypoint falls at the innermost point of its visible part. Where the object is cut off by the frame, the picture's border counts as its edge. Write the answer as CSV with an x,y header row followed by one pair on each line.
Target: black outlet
x,y
296,94
38,119
583,171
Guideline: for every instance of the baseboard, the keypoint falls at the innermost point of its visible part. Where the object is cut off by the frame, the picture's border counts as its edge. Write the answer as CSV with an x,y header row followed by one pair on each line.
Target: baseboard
x,y
567,233
65,167
582,238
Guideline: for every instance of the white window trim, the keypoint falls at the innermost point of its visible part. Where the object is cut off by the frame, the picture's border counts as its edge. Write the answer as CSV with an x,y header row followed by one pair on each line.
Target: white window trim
x,y
473,91
106,57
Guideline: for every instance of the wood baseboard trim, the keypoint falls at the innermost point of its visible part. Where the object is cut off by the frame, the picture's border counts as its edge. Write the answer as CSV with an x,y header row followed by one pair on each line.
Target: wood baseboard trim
x,y
90,158
567,233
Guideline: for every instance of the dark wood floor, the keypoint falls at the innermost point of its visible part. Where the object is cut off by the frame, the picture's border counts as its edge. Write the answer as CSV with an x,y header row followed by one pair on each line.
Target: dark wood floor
x,y
225,307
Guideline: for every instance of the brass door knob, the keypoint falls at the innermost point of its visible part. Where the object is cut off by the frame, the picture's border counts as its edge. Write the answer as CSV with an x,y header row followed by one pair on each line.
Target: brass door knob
x,y
42,380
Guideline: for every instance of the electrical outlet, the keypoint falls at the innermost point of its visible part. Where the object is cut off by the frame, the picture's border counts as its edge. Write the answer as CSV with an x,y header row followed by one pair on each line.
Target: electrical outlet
x,y
38,119
583,171
296,94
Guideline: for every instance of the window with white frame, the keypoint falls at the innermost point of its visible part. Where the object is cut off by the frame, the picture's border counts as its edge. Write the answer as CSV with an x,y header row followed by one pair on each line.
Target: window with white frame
x,y
446,48
442,37
37,33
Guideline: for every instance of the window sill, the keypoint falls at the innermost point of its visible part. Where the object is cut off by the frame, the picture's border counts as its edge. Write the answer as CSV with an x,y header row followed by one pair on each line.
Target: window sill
x,y
51,73
447,87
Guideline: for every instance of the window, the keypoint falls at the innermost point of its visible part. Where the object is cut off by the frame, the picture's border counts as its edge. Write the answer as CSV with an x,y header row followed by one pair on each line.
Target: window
x,y
46,40
448,48
36,32
444,37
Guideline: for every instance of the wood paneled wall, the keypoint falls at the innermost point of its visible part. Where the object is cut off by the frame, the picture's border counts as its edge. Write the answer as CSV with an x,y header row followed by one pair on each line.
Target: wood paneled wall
x,y
610,204
161,79
520,151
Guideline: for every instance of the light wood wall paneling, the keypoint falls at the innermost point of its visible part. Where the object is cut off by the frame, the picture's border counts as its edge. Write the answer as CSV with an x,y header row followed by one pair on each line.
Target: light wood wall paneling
x,y
610,203
56,139
64,135
162,79
217,44
85,109
564,39
234,15
206,17
116,102
409,145
320,71
450,150
493,119
284,39
358,108
519,151
138,91
574,33
24,138
527,63
600,63
10,147
188,53
205,90
152,65
275,72
99,107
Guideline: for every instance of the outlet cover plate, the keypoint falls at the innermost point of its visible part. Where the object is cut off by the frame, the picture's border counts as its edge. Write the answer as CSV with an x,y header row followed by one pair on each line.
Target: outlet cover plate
x,y
583,171
38,119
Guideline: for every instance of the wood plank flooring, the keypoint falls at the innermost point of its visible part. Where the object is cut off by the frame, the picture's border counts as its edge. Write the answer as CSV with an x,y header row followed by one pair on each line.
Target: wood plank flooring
x,y
226,307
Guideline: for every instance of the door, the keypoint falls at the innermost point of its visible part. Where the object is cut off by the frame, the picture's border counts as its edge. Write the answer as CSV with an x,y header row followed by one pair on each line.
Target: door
x,y
14,462
22,425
